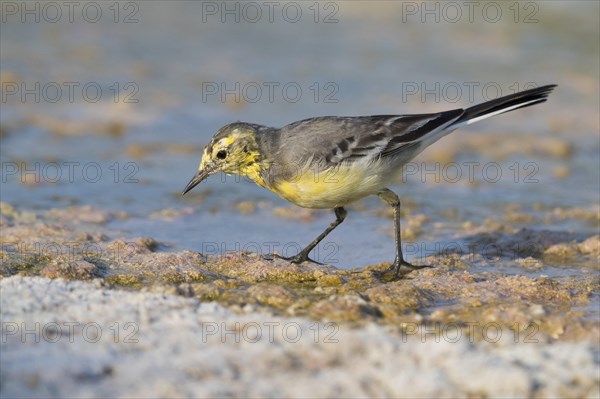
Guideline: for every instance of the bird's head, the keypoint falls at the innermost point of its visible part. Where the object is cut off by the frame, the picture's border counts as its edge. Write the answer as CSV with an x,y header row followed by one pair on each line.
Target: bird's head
x,y
234,150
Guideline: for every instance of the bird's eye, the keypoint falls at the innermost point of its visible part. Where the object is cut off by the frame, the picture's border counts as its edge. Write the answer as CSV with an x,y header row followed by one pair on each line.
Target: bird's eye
x,y
222,154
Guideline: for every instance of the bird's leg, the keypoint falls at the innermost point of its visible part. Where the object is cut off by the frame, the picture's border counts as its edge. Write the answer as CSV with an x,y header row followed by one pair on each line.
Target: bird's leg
x,y
302,256
400,266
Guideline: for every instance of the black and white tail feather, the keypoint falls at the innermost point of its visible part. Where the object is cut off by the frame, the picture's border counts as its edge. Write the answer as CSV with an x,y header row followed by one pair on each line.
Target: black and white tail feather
x,y
446,122
404,136
504,104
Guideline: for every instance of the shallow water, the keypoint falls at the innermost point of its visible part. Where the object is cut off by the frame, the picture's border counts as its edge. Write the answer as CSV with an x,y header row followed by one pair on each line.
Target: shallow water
x,y
137,156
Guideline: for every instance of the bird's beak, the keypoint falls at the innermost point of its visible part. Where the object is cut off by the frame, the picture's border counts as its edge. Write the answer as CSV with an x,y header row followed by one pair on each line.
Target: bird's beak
x,y
197,179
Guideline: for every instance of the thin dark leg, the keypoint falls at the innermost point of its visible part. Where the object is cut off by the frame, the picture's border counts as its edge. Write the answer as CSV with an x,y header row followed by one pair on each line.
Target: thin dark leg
x,y
302,256
400,266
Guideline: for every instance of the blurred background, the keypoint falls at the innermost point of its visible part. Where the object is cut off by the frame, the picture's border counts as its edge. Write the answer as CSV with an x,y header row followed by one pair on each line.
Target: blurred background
x,y
109,104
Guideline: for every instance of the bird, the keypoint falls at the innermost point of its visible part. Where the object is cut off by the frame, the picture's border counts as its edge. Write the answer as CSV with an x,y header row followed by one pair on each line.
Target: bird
x,y
329,162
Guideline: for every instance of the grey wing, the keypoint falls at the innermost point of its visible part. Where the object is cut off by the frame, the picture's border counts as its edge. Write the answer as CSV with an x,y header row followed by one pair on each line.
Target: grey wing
x,y
334,140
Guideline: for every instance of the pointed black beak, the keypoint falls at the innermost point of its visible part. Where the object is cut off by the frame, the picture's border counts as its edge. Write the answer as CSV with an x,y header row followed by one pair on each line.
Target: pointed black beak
x,y
197,179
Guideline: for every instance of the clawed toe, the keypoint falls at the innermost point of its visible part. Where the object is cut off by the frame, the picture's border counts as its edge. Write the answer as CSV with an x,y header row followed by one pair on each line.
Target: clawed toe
x,y
299,258
400,270
403,268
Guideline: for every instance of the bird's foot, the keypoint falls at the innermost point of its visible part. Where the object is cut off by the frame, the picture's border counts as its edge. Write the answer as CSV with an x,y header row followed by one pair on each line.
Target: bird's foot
x,y
402,268
299,258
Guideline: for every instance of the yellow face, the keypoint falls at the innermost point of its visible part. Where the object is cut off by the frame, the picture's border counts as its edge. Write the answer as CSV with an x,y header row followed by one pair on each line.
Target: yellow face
x,y
233,150
227,154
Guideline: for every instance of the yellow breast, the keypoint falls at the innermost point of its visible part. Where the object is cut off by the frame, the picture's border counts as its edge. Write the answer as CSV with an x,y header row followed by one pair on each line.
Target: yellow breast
x,y
330,188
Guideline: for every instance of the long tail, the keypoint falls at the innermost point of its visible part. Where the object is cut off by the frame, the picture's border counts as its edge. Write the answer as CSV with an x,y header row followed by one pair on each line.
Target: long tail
x,y
503,104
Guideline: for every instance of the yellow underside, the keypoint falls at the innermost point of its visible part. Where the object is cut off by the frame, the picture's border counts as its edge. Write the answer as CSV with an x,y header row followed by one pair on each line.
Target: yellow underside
x,y
328,189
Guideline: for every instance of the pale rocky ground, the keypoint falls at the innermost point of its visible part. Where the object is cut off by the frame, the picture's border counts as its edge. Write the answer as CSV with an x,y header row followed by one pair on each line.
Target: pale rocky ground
x,y
182,347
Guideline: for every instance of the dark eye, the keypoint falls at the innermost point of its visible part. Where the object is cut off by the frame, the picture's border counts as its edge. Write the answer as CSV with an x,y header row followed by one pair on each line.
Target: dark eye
x,y
222,154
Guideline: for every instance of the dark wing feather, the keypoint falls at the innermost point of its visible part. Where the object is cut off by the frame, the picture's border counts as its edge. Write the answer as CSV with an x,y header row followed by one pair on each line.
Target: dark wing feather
x,y
417,131
385,135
